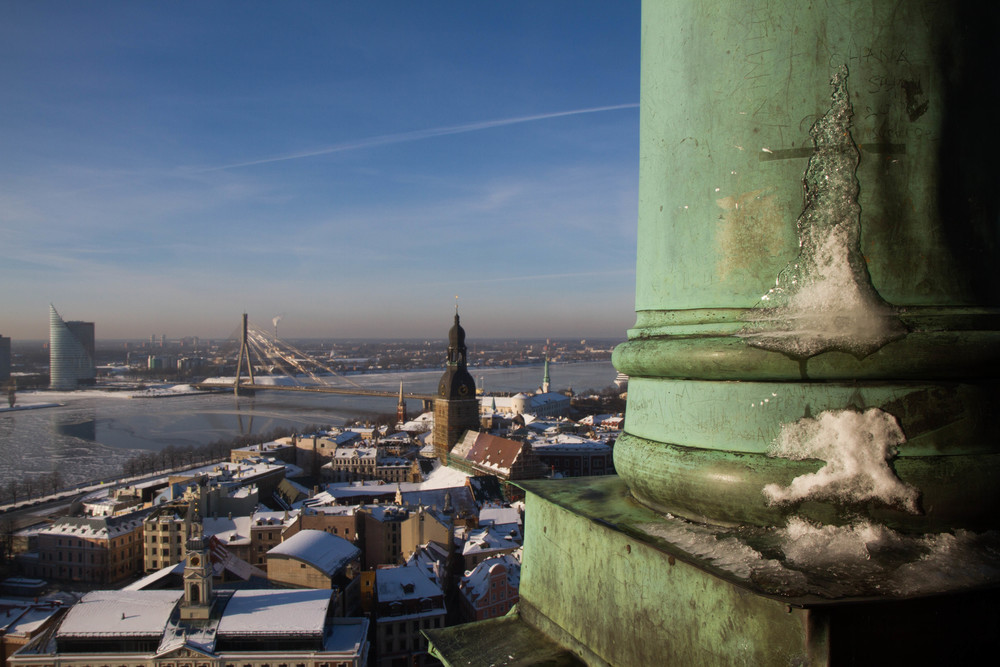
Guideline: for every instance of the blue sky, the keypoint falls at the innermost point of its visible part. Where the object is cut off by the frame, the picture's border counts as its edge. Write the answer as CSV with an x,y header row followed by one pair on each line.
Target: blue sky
x,y
351,167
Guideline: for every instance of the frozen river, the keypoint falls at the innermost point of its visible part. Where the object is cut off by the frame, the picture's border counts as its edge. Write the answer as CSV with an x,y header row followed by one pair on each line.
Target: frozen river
x,y
93,433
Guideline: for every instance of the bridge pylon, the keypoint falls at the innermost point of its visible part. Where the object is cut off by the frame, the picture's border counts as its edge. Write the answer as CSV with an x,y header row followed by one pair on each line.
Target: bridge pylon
x,y
244,355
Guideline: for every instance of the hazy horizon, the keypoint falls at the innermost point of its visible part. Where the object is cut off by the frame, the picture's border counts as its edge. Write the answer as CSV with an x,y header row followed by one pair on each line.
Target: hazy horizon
x,y
478,342
348,167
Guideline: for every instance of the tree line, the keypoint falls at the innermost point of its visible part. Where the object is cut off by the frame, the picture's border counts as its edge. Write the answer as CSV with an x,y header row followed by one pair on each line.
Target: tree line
x,y
37,485
177,456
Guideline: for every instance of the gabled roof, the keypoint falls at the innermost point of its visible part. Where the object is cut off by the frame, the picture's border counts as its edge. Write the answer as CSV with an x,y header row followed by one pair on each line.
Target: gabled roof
x,y
494,452
486,488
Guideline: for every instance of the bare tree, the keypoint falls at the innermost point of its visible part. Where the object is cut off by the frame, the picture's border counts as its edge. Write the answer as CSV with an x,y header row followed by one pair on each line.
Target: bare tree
x,y
28,484
12,488
55,481
7,530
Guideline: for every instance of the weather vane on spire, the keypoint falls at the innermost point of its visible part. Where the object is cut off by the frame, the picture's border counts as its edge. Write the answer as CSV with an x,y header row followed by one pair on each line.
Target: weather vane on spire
x,y
456,304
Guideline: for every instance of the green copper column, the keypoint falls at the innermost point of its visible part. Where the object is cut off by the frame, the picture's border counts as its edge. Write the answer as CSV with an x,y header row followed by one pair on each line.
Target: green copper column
x,y
814,358
817,241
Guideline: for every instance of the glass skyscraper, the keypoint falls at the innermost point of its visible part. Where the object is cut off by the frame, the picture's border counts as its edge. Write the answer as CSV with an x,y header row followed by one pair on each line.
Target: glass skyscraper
x,y
71,352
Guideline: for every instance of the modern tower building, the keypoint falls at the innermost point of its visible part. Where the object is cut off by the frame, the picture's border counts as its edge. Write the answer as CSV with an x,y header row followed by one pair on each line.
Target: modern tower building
x,y
71,352
456,408
4,358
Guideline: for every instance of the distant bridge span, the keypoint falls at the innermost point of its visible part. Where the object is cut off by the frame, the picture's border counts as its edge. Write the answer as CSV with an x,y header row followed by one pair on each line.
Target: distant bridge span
x,y
349,391
275,353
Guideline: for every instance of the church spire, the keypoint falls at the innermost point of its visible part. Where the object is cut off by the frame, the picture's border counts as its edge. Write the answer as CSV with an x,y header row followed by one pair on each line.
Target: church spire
x,y
546,383
400,407
457,352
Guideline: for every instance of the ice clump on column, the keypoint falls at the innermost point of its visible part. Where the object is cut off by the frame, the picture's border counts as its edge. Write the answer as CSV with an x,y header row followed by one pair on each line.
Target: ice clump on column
x,y
824,300
857,448
730,553
810,545
861,559
952,560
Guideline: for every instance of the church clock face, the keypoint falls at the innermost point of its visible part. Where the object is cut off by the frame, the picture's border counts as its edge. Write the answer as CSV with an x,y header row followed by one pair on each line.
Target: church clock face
x,y
195,561
464,390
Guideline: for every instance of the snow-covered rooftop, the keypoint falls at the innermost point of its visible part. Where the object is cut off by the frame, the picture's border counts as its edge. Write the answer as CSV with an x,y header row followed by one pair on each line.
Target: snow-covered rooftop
x,y
311,506
404,583
327,553
233,530
150,579
347,635
120,613
476,582
32,619
272,446
493,538
498,516
93,527
343,453
442,477
275,612
565,442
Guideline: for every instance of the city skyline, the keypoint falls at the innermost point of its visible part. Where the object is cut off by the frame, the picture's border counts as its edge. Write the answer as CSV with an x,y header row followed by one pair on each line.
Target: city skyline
x,y
349,168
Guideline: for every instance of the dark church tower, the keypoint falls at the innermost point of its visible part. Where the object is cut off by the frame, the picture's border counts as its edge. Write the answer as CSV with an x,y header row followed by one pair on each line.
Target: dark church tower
x,y
456,408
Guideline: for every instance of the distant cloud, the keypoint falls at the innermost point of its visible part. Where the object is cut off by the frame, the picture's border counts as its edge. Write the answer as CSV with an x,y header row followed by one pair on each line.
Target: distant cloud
x,y
418,135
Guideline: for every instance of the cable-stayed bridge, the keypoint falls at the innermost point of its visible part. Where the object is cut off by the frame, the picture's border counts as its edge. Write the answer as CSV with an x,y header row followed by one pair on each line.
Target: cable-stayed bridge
x,y
299,371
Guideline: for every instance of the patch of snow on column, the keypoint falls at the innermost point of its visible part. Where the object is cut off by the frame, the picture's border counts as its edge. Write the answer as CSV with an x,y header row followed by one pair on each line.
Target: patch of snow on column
x,y
861,559
824,300
729,553
952,560
857,448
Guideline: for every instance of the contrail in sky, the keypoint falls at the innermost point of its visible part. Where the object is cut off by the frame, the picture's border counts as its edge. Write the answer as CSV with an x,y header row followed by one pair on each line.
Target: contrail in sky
x,y
417,135
506,279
